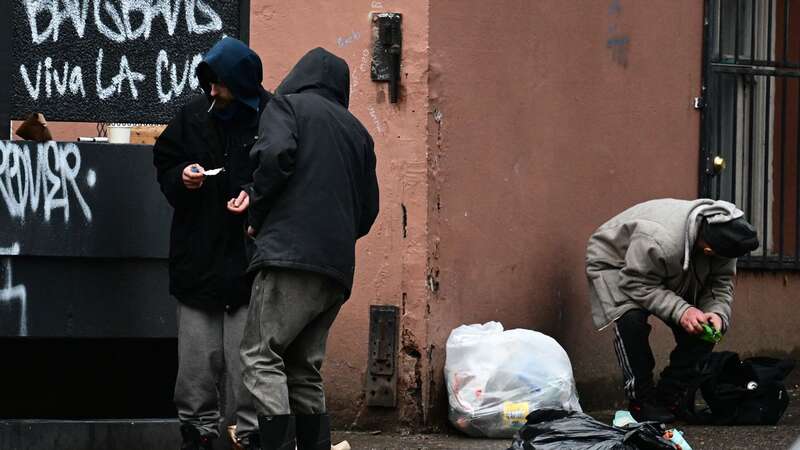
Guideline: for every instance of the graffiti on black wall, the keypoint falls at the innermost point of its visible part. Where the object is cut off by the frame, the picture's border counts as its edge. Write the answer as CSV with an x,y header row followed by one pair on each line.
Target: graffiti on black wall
x,y
92,60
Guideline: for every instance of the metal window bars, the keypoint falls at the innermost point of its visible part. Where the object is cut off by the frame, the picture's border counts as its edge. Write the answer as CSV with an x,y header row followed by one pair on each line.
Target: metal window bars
x,y
751,117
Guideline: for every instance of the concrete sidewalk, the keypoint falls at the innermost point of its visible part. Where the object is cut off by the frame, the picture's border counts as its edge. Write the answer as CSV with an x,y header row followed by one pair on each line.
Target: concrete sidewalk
x,y
161,434
701,438
780,437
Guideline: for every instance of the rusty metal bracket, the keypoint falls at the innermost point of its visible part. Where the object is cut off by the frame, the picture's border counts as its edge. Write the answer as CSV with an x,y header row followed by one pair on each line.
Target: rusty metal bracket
x,y
381,383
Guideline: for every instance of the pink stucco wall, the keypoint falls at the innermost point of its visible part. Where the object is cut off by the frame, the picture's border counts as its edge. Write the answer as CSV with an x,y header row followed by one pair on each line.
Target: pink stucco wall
x,y
574,115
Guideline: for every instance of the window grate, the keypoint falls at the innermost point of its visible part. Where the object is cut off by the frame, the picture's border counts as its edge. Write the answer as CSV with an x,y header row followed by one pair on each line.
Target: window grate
x,y
751,117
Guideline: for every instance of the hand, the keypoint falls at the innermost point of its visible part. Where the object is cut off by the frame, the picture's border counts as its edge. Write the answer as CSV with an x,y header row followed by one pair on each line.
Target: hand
x,y
692,320
193,176
239,204
715,319
251,232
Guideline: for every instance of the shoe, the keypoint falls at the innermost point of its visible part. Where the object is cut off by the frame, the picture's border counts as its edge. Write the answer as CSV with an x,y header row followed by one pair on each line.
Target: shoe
x,y
313,431
252,442
277,432
650,411
193,440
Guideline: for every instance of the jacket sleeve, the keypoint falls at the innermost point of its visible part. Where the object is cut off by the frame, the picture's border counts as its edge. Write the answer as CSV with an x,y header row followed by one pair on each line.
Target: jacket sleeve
x,y
170,160
642,279
717,296
371,199
274,157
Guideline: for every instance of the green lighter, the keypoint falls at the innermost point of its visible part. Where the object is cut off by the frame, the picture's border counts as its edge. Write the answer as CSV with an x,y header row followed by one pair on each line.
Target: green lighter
x,y
711,334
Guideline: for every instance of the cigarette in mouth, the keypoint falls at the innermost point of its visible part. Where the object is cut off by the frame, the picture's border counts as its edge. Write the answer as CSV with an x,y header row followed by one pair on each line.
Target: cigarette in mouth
x,y
212,105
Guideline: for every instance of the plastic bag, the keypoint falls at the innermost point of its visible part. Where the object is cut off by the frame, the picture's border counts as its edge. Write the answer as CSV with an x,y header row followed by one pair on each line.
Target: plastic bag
x,y
558,430
495,378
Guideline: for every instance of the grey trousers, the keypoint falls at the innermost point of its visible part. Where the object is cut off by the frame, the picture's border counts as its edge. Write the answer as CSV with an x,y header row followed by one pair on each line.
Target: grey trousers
x,y
283,347
209,388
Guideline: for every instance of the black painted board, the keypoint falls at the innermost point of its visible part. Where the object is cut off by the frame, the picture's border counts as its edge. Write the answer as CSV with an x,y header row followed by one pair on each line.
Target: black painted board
x,y
113,208
86,379
5,72
138,434
79,297
112,60
244,21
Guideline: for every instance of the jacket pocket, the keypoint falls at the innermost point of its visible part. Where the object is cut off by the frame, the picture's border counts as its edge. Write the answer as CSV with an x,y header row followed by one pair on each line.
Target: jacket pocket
x,y
601,301
611,281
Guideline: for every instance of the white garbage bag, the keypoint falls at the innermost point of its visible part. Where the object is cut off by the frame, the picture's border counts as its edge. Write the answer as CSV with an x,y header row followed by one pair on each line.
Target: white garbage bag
x,y
495,378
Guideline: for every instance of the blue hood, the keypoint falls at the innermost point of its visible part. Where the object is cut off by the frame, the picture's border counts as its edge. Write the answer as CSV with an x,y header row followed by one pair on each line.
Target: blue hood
x,y
235,65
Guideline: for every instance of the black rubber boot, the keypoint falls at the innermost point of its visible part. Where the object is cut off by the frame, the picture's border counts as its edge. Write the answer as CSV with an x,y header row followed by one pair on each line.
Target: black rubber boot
x,y
193,440
650,411
252,442
277,432
313,432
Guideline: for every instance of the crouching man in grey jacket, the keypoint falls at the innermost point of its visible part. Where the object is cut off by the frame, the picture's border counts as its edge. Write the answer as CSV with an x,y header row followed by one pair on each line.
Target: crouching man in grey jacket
x,y
675,259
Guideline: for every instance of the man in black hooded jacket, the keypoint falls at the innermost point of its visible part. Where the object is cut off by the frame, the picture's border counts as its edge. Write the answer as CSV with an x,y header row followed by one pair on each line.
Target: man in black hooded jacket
x,y
315,193
207,259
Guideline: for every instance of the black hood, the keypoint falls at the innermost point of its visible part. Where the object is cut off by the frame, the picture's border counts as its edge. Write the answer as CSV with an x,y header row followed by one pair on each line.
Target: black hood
x,y
322,72
235,65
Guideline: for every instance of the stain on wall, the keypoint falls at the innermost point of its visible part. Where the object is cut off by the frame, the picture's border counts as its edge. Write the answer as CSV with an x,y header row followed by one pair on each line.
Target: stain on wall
x,y
618,41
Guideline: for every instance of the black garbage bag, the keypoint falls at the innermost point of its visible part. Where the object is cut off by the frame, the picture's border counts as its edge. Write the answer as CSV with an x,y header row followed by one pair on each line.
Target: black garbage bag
x,y
555,429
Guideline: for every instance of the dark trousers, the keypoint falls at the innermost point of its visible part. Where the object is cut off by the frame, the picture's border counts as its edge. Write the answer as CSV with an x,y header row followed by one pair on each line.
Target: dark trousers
x,y
291,313
632,345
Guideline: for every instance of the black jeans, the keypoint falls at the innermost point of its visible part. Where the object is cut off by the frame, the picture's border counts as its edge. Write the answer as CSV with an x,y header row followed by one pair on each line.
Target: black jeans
x,y
632,345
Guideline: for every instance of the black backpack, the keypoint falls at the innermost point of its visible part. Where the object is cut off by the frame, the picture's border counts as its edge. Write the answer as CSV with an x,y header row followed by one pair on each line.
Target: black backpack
x,y
739,392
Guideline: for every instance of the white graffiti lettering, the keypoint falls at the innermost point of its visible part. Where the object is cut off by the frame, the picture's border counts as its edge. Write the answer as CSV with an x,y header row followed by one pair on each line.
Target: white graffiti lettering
x,y
24,183
344,41
119,21
375,119
10,293
125,73
74,10
114,19
177,83
71,81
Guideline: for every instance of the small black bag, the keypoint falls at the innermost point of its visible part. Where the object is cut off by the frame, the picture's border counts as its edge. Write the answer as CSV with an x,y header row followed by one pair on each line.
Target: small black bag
x,y
739,392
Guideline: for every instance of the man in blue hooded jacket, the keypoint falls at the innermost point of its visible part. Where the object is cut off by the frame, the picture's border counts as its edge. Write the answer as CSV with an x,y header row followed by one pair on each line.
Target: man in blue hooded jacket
x,y
208,246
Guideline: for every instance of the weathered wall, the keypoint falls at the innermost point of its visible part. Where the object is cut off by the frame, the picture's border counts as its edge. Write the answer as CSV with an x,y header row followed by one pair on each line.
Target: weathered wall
x,y
391,261
552,117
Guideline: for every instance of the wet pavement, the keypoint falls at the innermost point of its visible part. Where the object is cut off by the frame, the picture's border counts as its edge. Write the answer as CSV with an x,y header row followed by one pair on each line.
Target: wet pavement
x,y
780,437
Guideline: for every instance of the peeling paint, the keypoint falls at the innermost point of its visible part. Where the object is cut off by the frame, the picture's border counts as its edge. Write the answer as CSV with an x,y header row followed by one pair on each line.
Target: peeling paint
x,y
410,399
437,116
433,280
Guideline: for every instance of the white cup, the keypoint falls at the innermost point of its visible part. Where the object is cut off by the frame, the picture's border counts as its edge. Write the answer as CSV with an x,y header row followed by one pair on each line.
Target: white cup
x,y
119,134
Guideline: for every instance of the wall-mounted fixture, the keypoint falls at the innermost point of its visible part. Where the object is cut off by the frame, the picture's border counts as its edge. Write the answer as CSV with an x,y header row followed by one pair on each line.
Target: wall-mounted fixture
x,y
387,50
